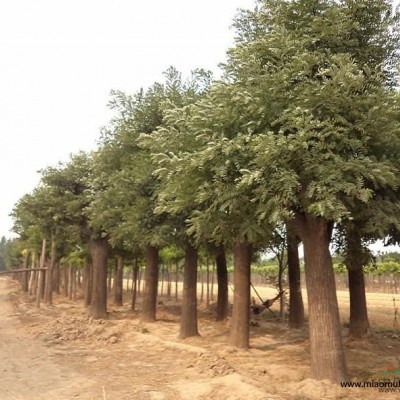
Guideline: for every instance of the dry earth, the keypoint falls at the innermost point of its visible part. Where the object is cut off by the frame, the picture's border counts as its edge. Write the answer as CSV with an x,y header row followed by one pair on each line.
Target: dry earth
x,y
59,353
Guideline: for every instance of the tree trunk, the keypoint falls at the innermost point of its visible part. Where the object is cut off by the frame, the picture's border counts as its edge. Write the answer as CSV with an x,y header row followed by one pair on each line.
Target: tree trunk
x,y
176,279
56,277
99,249
25,275
326,348
32,278
151,286
188,325
48,291
87,284
65,280
240,329
109,280
222,278
281,268
296,306
135,275
39,291
359,323
119,278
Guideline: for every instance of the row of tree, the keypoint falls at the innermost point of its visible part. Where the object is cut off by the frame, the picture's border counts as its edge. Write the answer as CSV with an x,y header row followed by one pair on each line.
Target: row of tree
x,y
300,135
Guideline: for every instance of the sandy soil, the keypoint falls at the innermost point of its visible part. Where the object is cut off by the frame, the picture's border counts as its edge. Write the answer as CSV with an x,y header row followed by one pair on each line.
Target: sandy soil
x,y
59,353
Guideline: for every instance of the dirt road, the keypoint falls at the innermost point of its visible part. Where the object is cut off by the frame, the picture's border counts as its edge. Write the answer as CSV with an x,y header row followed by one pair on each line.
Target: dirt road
x,y
59,353
26,366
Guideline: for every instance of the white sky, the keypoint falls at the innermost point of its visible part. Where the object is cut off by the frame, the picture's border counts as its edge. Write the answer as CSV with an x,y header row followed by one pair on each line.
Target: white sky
x,y
60,59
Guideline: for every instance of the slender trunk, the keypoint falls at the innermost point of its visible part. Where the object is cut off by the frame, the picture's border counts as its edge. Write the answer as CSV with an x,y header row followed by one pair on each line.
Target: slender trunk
x,y
162,279
56,277
87,284
109,280
202,286
176,279
135,283
169,280
212,282
296,306
326,348
25,275
70,281
65,280
48,291
281,268
222,278
99,249
119,277
32,278
208,282
73,282
39,292
188,325
150,290
240,326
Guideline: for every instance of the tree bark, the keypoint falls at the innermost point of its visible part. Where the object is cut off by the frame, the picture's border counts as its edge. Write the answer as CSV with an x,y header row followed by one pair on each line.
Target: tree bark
x,y
118,284
222,278
65,280
48,291
87,284
240,326
32,278
188,325
359,322
326,348
25,275
56,277
151,286
296,306
39,290
135,283
99,249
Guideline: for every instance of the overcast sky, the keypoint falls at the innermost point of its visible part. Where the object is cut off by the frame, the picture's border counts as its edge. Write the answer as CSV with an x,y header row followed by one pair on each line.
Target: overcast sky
x,y
60,59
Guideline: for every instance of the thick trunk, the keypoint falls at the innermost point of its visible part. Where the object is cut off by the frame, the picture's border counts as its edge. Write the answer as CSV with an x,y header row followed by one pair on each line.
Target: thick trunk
x,y
188,325
296,306
119,278
359,323
99,249
222,278
48,291
326,348
240,326
151,285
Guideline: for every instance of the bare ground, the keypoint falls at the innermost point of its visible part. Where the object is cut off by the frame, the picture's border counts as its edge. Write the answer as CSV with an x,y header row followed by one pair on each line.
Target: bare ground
x,y
59,353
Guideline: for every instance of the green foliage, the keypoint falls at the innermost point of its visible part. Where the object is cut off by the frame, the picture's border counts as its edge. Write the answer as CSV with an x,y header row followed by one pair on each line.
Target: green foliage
x,y
304,120
11,253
